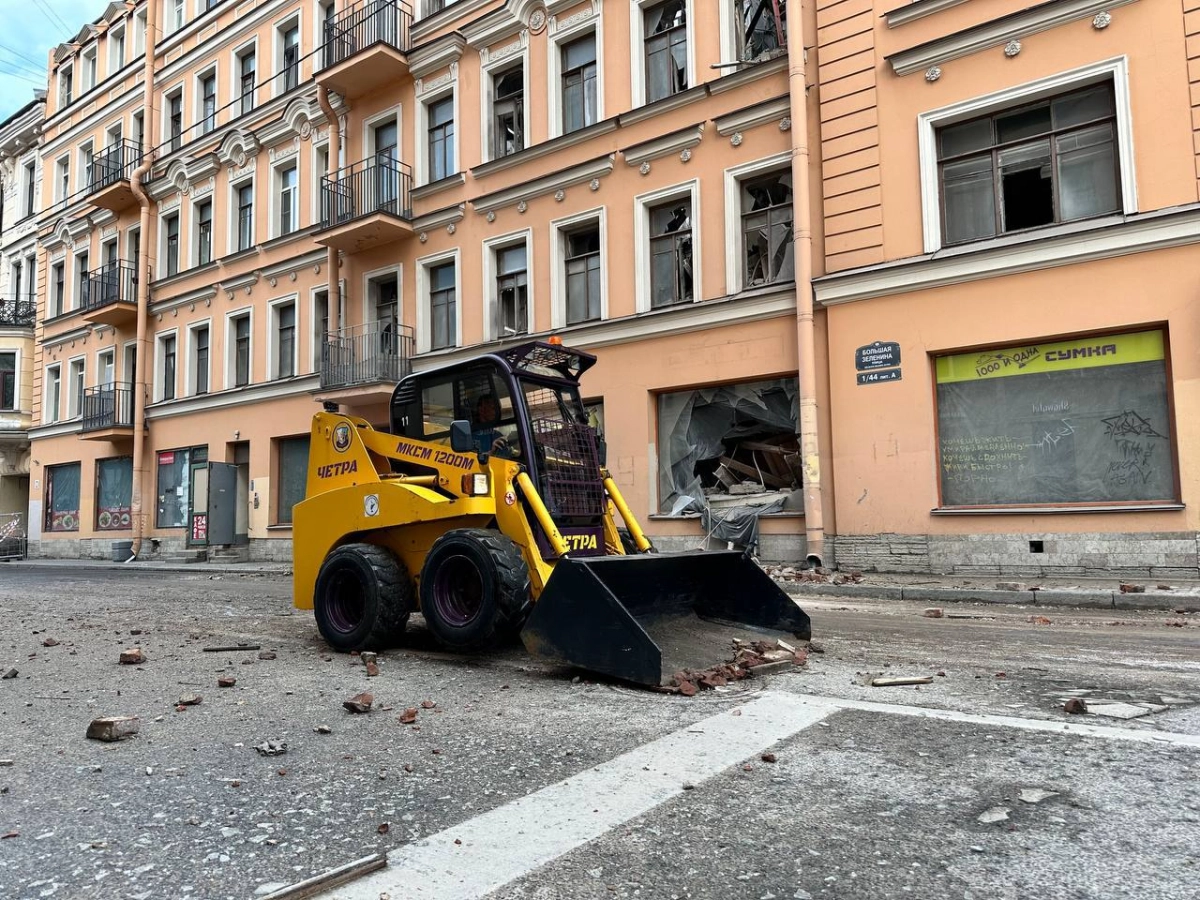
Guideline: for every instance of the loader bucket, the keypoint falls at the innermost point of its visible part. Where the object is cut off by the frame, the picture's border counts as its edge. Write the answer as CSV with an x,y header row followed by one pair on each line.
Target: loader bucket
x,y
643,617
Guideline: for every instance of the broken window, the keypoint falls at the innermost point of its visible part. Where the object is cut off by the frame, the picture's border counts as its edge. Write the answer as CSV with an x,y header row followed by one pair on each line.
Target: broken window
x,y
665,33
725,445
512,291
762,27
767,229
508,112
671,253
1052,161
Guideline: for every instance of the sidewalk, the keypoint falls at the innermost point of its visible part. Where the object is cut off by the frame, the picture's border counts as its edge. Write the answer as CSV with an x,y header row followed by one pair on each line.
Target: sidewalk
x,y
197,568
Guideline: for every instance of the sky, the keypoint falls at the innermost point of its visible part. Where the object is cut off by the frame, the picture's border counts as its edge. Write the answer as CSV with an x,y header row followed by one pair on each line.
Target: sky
x,y
29,29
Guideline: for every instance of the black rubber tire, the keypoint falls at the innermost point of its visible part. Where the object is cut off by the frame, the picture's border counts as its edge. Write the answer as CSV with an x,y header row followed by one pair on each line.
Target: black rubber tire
x,y
627,542
485,574
363,598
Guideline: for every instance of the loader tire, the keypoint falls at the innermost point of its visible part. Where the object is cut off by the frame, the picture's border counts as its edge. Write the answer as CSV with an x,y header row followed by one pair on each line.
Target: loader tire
x,y
628,544
474,589
363,598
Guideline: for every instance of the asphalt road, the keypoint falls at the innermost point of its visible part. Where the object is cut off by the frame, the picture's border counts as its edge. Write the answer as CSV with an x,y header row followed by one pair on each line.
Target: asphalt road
x,y
562,788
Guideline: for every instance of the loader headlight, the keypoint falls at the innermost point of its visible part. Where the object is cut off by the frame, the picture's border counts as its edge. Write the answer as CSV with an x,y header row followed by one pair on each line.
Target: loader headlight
x,y
476,485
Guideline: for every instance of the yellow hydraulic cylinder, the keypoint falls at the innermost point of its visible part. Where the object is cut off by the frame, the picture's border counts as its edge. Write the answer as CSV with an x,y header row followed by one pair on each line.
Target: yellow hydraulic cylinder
x,y
635,530
525,483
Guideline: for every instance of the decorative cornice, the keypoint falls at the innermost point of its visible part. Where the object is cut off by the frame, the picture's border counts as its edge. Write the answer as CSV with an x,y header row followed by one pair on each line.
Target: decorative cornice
x,y
772,110
295,264
458,179
181,174
437,54
205,295
683,139
917,9
1060,246
452,12
675,101
997,32
237,147
489,29
232,285
747,73
545,148
75,334
545,185
242,396
440,218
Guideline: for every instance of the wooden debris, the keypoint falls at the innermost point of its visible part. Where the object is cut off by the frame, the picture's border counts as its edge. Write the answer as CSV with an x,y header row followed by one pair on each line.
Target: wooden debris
x,y
898,681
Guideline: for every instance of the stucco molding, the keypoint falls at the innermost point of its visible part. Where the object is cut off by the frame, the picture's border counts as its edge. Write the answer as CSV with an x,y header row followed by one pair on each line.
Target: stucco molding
x,y
1062,246
546,185
237,147
241,397
668,144
67,337
294,265
917,9
440,218
436,55
244,282
997,32
203,295
773,110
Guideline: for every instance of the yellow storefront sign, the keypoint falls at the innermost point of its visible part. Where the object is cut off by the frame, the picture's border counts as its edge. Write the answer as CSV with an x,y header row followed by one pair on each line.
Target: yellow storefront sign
x,y
1081,353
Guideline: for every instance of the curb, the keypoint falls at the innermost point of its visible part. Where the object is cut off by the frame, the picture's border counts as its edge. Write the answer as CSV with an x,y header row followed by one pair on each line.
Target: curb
x,y
189,568
1080,598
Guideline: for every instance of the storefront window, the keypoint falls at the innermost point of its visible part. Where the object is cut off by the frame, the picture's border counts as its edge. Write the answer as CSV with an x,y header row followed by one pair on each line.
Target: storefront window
x,y
174,488
293,476
1079,421
114,493
62,497
732,439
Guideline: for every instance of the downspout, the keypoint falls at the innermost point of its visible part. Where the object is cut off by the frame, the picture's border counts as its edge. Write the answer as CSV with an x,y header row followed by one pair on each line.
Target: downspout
x,y
814,513
335,154
149,128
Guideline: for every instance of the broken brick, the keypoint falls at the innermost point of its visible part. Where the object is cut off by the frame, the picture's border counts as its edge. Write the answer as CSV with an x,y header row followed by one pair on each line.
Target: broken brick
x,y
49,642
1133,589
190,700
384,828
408,716
9,674
360,703
266,654
226,681
113,728
133,657
1039,620
768,757
1075,706
933,612
687,688
372,668
428,704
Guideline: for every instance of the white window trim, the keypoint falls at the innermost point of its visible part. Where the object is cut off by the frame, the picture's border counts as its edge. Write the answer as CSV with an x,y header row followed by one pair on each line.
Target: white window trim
x,y
278,29
198,91
90,56
61,163
52,372
735,263
17,361
160,364
369,309
316,335
194,230
190,370
1116,70
487,108
641,226
84,150
116,64
139,32
318,29
75,403
273,356
168,96
422,134
276,212
554,64
235,75
231,347
100,354
558,262
391,114
424,324
234,188
77,276
171,22
162,243
637,60
491,247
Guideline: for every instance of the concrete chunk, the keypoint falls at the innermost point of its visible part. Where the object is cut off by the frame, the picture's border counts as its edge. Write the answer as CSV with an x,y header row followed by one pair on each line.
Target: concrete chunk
x,y
113,728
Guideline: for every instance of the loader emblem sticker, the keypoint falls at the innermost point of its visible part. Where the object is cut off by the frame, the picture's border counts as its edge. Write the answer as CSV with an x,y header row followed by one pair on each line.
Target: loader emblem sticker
x,y
341,438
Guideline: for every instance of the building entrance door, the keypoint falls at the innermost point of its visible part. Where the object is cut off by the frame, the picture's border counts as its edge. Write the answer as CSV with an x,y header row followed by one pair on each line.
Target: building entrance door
x,y
222,503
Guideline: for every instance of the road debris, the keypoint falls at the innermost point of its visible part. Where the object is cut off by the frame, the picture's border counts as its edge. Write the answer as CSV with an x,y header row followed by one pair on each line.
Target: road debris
x,y
360,703
133,657
190,700
267,654
1133,588
9,834
9,674
232,647
994,815
1075,706
384,828
428,704
49,642
900,680
768,757
272,748
933,612
1010,585
5,763
408,716
328,879
749,658
226,681
113,728
1039,620
1035,795
1124,710
323,729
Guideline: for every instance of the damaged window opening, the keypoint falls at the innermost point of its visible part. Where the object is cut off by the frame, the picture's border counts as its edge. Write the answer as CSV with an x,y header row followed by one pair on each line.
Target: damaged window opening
x,y
730,446
512,291
1050,162
666,49
767,229
509,112
671,253
763,27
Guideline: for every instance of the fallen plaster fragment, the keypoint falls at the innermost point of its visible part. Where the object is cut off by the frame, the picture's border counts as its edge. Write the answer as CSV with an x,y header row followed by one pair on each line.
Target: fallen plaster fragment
x,y
1035,795
995,814
1118,710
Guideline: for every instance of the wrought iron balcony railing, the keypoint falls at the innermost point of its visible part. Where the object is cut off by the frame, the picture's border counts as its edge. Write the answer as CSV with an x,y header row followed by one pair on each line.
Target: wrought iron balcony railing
x,y
366,354
365,24
113,164
107,406
379,185
17,313
114,282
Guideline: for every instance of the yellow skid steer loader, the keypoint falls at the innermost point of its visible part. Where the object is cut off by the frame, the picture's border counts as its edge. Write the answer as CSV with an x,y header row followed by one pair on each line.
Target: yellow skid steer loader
x,y
488,509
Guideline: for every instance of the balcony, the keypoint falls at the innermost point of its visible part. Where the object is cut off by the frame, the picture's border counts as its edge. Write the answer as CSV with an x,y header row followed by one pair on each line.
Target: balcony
x,y
366,47
107,412
361,364
110,295
366,205
112,170
17,313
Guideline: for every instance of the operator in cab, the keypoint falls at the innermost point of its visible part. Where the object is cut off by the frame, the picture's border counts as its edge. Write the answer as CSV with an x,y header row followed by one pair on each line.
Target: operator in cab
x,y
489,435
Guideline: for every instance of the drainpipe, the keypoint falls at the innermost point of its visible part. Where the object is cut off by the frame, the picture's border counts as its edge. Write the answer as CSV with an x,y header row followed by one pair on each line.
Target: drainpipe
x,y
814,514
149,128
335,150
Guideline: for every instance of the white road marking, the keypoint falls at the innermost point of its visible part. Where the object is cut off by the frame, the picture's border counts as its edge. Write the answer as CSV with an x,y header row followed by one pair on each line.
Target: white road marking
x,y
509,842
475,857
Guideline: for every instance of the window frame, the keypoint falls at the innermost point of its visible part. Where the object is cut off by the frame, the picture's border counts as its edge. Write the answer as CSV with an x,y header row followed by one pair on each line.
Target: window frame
x,y
425,301
492,72
1115,70
165,269
639,62
735,177
172,137
247,100
76,385
53,379
235,214
116,49
278,173
193,366
560,231
275,349
199,229
207,120
231,348
14,380
166,365
492,248
643,204
281,31
425,137
558,124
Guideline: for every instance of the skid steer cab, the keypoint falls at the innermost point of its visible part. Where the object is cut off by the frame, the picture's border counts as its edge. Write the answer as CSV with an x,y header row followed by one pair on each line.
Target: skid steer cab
x,y
488,509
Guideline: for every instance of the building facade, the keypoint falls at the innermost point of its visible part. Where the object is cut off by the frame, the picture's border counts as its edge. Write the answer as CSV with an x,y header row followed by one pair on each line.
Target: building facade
x,y
20,183
915,292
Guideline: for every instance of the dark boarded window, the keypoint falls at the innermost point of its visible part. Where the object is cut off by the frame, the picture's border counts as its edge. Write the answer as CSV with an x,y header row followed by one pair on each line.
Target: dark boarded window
x,y
1079,421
